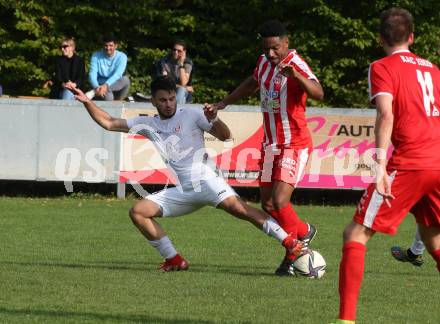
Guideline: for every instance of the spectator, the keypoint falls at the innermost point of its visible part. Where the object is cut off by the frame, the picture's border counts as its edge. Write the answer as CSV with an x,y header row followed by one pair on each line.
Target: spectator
x,y
106,73
179,67
69,71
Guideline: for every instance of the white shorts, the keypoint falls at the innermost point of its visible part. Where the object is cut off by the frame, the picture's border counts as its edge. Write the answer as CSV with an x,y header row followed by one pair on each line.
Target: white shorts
x,y
176,202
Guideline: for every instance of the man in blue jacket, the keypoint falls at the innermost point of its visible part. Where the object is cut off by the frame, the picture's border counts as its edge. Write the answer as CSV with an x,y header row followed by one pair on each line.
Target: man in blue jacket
x,y
106,73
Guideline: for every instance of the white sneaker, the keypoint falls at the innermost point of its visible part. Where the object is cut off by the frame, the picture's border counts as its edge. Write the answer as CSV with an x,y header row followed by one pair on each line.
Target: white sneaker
x,y
90,94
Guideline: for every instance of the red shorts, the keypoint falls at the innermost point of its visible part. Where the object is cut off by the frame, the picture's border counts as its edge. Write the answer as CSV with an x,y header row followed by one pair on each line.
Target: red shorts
x,y
417,192
283,164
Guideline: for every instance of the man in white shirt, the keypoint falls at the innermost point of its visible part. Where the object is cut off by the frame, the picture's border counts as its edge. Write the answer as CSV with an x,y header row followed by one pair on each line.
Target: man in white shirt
x,y
178,136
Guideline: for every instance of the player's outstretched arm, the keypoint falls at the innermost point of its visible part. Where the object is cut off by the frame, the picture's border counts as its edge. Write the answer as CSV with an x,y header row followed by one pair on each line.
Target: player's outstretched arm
x,y
101,117
247,88
219,129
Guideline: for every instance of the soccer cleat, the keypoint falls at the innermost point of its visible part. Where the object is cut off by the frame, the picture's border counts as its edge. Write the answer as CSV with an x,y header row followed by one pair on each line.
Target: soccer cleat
x,y
293,246
343,322
285,268
308,238
403,256
176,263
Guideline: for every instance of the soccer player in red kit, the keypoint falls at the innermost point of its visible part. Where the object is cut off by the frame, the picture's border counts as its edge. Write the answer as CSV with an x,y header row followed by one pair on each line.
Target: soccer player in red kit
x,y
406,91
284,80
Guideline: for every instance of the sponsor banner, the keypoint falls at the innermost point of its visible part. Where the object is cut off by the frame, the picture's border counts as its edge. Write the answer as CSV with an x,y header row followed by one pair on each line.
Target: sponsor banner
x,y
342,157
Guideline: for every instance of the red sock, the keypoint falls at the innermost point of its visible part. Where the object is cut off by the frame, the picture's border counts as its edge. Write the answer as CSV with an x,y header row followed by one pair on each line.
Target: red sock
x,y
436,255
351,271
302,227
288,219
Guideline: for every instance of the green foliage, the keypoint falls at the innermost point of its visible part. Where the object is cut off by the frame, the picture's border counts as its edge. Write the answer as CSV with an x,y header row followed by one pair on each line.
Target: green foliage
x,y
203,91
337,38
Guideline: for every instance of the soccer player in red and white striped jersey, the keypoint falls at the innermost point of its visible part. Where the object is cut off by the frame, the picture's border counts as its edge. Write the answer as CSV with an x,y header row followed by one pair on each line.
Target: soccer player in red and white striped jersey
x,y
406,91
285,81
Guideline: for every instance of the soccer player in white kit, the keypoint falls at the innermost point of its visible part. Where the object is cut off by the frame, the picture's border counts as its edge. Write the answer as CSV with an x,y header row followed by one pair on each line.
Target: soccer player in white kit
x,y
178,136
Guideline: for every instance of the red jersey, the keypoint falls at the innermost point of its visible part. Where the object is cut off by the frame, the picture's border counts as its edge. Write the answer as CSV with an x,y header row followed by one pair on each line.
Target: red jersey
x,y
283,103
414,84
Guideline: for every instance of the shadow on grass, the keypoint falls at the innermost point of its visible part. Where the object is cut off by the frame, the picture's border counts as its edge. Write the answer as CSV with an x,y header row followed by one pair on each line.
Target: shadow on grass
x,y
243,270
92,265
404,273
97,316
248,270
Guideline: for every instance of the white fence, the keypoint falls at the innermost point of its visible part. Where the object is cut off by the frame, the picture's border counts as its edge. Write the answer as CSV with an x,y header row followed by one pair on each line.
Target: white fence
x,y
56,140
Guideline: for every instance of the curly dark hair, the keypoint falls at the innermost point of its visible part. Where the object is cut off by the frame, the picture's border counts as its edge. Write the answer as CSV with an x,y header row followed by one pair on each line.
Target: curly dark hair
x,y
272,28
162,83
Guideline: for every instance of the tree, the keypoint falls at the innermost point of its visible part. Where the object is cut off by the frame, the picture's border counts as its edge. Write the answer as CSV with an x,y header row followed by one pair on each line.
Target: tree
x,y
337,38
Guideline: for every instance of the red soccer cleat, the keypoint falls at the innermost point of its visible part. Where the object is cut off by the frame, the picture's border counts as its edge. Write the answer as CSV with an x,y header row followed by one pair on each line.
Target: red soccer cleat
x,y
176,263
293,246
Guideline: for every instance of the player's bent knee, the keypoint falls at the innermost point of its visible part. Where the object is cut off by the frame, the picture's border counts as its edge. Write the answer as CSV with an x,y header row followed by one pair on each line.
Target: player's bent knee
x,y
144,209
357,233
280,202
134,215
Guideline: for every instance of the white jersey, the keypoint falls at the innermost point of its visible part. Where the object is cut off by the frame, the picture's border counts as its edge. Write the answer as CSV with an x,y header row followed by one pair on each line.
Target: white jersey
x,y
180,142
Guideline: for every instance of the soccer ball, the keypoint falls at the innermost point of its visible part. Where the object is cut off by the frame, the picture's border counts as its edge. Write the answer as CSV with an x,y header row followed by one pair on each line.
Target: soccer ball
x,y
310,264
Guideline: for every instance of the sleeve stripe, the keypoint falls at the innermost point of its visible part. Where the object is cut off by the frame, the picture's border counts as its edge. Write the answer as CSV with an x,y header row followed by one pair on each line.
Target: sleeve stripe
x,y
380,94
297,60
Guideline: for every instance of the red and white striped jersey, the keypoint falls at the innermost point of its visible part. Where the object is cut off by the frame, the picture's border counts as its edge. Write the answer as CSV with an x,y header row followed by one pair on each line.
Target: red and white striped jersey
x,y
283,103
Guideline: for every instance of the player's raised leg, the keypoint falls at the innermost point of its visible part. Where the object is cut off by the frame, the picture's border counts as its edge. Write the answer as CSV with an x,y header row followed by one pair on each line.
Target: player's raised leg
x,y
414,254
281,170
275,200
417,247
238,208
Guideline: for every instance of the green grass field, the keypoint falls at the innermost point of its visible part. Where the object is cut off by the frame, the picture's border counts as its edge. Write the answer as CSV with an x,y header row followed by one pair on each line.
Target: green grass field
x,y
80,260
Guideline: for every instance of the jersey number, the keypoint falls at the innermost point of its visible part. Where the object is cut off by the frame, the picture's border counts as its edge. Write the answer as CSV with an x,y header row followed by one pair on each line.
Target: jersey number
x,y
425,81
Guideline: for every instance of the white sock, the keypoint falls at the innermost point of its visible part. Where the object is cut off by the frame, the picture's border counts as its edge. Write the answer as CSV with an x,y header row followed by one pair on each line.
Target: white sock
x,y
417,246
272,228
165,247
